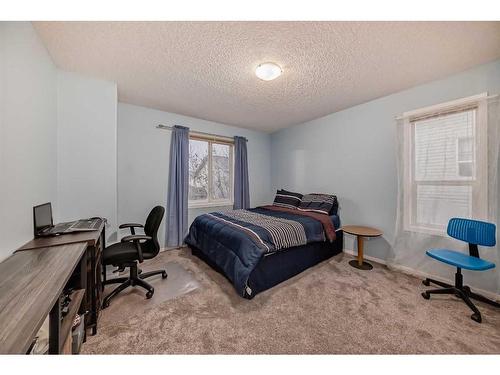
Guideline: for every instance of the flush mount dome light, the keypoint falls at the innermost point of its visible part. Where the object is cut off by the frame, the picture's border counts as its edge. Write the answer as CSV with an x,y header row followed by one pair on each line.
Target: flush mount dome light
x,y
268,71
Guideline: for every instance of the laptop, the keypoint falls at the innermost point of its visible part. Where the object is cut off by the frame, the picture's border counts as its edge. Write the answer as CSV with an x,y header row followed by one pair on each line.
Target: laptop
x,y
44,224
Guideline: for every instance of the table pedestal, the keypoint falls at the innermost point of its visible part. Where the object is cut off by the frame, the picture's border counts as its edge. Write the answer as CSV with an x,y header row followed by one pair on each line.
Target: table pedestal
x,y
359,263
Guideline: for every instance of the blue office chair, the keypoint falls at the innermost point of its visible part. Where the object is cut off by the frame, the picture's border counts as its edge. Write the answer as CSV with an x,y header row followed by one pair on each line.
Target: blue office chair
x,y
474,233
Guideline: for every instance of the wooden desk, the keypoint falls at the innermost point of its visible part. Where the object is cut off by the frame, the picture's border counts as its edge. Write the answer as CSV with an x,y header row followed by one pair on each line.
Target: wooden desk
x,y
31,283
96,243
91,238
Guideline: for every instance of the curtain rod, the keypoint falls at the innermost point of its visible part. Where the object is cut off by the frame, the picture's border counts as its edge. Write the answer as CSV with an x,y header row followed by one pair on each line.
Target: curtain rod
x,y
203,134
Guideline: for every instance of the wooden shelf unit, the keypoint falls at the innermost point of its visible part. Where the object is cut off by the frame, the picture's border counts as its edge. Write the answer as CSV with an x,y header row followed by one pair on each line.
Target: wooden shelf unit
x,y
67,321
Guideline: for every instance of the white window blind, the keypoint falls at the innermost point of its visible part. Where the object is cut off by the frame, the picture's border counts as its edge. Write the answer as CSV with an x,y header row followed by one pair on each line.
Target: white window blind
x,y
446,168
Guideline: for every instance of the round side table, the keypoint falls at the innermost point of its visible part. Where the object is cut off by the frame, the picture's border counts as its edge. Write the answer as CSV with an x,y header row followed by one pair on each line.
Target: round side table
x,y
361,232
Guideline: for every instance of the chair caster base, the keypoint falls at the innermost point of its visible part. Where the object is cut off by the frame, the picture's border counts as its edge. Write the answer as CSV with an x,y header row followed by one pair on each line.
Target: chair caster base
x,y
459,291
135,279
476,317
426,282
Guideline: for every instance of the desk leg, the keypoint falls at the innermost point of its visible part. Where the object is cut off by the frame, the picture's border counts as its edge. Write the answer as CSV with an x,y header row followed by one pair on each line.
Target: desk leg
x,y
83,285
96,282
90,293
360,263
94,291
55,328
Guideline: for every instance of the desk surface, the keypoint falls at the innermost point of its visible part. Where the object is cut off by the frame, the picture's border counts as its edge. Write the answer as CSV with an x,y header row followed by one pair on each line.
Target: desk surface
x,y
90,238
30,283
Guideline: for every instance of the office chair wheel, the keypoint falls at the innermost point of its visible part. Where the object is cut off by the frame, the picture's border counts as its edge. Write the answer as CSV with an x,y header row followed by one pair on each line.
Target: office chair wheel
x,y
105,304
426,295
164,275
426,282
476,317
150,293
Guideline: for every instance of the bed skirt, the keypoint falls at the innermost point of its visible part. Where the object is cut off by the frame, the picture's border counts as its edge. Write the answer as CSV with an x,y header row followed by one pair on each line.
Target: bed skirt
x,y
278,267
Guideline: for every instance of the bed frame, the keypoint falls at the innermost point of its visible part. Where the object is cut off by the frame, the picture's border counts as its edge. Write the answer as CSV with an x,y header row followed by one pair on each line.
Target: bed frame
x,y
280,266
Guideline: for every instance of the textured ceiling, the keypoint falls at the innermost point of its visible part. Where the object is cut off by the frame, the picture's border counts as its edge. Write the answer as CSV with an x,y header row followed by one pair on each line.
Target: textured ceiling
x,y
206,69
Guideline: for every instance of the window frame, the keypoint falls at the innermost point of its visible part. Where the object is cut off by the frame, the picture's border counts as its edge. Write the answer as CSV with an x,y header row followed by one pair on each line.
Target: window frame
x,y
472,160
209,202
479,180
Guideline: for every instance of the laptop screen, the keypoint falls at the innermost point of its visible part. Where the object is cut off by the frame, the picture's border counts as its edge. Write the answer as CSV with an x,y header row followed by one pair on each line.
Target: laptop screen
x,y
42,216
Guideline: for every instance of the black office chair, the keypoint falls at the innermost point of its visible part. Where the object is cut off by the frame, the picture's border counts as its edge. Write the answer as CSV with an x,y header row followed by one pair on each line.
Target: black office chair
x,y
132,249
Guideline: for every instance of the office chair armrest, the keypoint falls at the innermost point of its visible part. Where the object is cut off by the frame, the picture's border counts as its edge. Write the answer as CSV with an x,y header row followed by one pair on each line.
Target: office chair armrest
x,y
136,239
131,226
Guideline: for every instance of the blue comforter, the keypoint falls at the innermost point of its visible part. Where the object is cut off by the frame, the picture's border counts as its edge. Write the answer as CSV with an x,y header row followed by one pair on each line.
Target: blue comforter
x,y
236,240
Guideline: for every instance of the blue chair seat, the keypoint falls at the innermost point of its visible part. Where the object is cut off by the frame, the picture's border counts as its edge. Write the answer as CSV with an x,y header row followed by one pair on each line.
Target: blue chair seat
x,y
460,260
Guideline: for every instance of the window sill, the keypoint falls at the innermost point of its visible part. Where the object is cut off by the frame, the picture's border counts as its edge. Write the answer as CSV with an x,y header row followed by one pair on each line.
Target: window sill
x,y
426,230
210,204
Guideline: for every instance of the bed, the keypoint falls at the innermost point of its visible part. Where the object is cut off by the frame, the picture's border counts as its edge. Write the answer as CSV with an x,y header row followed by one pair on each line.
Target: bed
x,y
259,248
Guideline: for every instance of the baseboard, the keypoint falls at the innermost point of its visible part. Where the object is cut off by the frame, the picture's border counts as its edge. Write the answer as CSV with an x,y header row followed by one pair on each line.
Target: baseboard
x,y
422,275
172,248
367,257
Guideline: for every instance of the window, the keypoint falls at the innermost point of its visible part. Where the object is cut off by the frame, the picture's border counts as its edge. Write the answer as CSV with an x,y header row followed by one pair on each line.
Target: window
x,y
465,156
210,173
445,165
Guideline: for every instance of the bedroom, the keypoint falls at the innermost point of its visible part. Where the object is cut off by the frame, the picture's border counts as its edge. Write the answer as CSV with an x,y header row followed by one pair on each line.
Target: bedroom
x,y
342,175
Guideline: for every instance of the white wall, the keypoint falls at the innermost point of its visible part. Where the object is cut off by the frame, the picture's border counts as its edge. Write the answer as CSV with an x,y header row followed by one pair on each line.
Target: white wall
x,y
352,153
28,132
87,148
143,161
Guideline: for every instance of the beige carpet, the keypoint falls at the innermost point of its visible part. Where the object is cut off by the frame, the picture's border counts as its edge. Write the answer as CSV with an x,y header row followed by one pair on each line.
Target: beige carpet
x,y
330,308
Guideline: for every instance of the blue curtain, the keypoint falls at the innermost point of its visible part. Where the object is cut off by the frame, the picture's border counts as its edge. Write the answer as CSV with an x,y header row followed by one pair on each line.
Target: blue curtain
x,y
177,200
241,189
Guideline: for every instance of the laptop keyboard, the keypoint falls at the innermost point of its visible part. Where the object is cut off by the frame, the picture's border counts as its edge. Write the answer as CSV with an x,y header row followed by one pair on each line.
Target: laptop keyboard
x,y
60,227
86,224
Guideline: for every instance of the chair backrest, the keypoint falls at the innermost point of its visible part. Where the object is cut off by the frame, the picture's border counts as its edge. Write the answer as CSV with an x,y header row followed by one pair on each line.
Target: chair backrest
x,y
151,229
472,231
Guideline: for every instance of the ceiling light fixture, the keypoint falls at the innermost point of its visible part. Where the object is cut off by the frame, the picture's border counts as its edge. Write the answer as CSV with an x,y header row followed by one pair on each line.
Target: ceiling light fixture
x,y
268,71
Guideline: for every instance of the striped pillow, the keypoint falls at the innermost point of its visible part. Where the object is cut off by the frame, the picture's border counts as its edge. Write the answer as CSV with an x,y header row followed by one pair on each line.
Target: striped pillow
x,y
321,203
335,206
287,199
